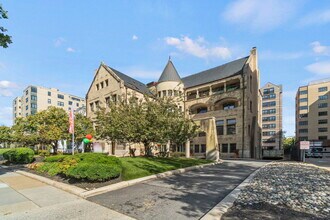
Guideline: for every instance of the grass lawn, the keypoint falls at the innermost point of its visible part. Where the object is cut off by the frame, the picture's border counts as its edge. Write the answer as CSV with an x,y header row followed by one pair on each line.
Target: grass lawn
x,y
141,166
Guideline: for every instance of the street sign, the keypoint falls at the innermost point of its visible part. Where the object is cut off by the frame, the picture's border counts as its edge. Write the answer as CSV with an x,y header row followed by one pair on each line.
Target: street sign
x,y
304,145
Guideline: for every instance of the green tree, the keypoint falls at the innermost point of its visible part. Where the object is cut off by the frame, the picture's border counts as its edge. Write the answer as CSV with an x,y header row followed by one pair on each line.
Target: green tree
x,y
82,127
48,127
52,126
24,131
288,142
5,135
148,122
5,39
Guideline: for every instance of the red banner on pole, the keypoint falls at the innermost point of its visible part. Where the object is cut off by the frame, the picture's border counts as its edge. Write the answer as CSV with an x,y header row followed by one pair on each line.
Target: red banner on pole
x,y
71,122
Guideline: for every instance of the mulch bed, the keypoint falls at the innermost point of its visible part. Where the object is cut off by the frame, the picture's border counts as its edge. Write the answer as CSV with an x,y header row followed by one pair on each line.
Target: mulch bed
x,y
79,183
76,182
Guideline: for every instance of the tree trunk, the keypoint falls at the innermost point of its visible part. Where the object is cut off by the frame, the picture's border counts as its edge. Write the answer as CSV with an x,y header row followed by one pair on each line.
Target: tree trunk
x,y
55,147
147,149
113,147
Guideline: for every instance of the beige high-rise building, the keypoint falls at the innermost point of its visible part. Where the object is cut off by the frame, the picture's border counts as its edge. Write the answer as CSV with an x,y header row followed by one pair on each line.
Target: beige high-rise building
x,y
37,98
224,101
271,116
312,112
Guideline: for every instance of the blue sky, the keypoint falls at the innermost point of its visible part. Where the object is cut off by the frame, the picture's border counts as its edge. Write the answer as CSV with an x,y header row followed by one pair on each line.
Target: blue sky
x,y
61,43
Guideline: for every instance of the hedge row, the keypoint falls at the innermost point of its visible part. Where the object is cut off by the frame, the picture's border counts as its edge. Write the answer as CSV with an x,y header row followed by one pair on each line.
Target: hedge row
x,y
87,166
19,155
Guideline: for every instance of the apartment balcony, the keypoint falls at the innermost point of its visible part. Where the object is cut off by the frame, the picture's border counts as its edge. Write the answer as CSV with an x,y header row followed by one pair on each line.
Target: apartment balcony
x,y
212,90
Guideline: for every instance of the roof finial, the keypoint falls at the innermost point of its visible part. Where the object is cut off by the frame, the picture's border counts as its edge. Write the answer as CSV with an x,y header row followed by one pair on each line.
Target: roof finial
x,y
169,58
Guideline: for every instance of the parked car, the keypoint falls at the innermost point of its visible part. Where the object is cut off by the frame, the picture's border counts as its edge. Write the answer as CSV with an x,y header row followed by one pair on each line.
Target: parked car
x,y
308,153
317,152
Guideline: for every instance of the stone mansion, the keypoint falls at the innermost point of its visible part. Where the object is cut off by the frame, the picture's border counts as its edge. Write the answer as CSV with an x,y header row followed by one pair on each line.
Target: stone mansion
x,y
225,101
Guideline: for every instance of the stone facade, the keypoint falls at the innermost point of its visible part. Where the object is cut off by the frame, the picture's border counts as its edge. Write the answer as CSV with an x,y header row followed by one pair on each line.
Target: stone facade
x,y
224,101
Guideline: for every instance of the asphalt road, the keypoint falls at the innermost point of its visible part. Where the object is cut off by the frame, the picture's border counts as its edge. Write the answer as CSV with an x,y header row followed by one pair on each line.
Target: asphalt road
x,y
185,196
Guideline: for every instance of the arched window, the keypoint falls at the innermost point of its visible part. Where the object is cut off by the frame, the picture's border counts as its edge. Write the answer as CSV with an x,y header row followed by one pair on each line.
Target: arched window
x,y
229,105
225,104
198,109
201,110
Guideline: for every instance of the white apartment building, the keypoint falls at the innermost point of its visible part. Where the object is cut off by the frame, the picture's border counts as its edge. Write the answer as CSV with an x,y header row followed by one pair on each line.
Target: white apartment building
x,y
37,98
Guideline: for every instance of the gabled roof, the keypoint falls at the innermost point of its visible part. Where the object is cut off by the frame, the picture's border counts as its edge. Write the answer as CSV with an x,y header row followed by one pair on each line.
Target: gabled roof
x,y
131,83
169,73
229,69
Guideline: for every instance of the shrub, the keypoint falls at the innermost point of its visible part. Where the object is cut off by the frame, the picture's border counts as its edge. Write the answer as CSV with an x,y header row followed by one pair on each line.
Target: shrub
x,y
57,158
94,171
87,166
98,158
51,168
44,153
2,151
19,155
68,162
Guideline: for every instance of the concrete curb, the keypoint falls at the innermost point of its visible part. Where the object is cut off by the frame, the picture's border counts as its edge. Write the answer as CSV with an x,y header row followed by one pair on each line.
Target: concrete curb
x,y
66,187
84,193
222,207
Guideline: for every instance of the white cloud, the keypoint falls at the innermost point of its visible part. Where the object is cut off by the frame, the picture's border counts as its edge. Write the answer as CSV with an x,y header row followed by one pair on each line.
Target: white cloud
x,y
134,37
70,50
259,15
59,41
198,48
6,116
316,18
320,49
6,88
320,68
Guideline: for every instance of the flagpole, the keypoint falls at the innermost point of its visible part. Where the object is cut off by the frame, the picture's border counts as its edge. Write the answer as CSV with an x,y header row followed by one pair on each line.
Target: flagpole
x,y
72,132
72,143
71,129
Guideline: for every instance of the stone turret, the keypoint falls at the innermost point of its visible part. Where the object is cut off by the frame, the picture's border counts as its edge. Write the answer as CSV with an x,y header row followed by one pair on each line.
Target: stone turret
x,y
169,83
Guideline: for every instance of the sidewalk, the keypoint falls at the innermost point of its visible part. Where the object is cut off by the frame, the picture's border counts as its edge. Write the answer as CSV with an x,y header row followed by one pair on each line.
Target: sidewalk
x,y
26,198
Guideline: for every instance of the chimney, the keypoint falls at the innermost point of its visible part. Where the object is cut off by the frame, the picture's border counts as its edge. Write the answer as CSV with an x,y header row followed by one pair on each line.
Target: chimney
x,y
253,51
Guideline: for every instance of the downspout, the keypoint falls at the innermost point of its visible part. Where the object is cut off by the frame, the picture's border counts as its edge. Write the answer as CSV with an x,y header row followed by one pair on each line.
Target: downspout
x,y
243,114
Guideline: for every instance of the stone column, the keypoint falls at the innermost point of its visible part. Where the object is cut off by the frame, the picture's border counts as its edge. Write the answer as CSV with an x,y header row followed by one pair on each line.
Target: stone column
x,y
208,125
225,87
168,144
210,92
197,94
188,148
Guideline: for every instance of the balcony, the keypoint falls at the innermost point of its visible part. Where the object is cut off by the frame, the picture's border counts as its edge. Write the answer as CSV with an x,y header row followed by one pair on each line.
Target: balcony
x,y
215,89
